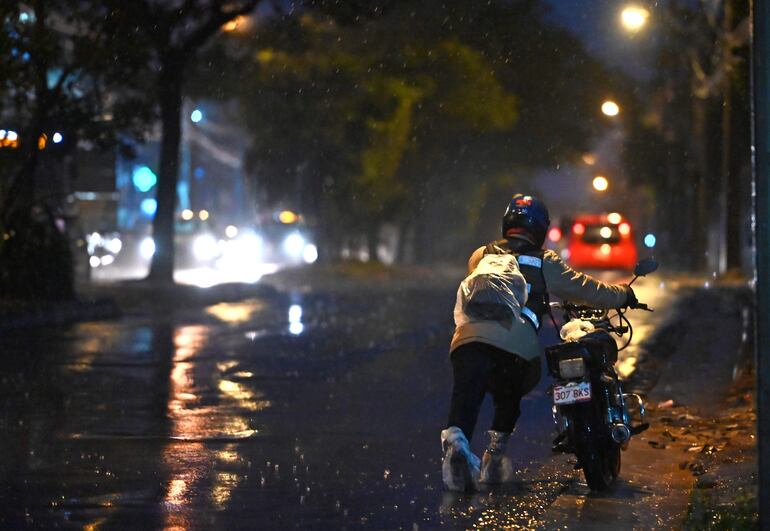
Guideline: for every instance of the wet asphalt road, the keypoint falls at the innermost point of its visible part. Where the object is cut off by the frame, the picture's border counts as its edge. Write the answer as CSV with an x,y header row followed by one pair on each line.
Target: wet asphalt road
x,y
307,411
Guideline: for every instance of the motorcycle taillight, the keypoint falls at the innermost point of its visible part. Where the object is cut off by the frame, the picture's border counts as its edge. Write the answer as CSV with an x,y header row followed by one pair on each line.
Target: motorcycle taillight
x,y
572,368
563,351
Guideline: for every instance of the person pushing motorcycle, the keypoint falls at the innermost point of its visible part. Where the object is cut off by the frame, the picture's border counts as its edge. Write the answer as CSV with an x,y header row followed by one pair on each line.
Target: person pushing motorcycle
x,y
502,356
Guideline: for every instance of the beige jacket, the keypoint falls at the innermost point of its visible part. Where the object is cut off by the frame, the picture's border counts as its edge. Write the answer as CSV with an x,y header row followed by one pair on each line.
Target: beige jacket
x,y
518,337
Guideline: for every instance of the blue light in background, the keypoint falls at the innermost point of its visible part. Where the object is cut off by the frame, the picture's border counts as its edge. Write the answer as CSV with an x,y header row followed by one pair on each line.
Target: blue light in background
x,y
650,240
149,206
57,138
183,194
144,178
196,116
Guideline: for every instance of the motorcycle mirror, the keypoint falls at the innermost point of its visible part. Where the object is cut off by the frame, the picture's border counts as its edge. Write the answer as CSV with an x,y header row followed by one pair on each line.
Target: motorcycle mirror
x,y
645,267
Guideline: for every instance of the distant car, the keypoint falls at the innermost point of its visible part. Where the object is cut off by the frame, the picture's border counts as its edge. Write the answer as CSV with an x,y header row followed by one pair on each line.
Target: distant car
x,y
601,241
195,243
287,240
103,248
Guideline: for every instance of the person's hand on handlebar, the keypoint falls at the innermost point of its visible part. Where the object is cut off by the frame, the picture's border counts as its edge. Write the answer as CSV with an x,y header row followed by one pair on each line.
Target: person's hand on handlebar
x,y
631,300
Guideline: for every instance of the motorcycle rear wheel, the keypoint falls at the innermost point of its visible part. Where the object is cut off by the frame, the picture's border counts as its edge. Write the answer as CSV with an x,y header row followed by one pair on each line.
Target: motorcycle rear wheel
x,y
597,454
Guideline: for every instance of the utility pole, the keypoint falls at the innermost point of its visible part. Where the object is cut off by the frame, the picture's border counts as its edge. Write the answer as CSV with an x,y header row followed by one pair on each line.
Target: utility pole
x,y
761,141
726,179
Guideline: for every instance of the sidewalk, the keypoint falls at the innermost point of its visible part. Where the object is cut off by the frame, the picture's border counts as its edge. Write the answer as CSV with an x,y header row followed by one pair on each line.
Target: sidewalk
x,y
695,468
703,406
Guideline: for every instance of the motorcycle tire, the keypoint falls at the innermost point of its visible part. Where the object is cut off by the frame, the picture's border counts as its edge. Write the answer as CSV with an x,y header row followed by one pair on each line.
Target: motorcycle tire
x,y
597,454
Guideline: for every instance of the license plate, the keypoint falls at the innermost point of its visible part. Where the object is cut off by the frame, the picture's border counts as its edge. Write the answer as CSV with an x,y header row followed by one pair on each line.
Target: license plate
x,y
571,393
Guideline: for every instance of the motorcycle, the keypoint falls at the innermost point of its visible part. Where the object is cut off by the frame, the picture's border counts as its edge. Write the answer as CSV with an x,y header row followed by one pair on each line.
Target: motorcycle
x,y
590,409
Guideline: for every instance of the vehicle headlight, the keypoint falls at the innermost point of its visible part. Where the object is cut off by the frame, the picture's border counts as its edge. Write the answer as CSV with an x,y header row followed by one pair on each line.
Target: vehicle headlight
x,y
243,252
205,247
572,368
114,245
310,253
251,241
147,248
294,244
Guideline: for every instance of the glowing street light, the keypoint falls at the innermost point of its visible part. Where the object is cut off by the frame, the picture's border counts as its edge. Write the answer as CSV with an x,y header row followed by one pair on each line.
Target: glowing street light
x,y
633,18
234,24
196,116
610,108
600,183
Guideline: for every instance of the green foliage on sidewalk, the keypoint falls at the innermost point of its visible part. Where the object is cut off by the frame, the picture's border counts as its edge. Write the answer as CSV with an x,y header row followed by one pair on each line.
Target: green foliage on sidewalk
x,y
709,510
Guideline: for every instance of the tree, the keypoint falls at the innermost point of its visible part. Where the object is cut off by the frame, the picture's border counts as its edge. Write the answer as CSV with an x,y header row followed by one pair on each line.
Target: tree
x,y
60,77
174,33
389,118
697,116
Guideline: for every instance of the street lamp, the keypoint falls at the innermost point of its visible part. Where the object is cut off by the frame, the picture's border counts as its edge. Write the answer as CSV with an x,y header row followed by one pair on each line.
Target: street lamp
x,y
234,24
633,18
600,183
610,108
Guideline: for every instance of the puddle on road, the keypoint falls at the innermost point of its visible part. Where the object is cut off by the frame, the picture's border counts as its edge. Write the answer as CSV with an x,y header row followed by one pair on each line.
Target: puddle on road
x,y
235,312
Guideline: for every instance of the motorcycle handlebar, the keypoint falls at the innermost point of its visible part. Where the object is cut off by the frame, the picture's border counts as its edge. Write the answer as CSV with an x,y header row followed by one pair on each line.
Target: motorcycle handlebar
x,y
569,307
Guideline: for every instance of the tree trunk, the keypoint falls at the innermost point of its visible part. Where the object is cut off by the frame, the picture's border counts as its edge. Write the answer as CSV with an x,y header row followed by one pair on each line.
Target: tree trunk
x,y
162,267
403,241
373,241
700,152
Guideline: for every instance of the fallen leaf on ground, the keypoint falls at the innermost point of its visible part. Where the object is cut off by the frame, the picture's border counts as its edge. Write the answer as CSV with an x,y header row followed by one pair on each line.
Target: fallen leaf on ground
x,y
668,435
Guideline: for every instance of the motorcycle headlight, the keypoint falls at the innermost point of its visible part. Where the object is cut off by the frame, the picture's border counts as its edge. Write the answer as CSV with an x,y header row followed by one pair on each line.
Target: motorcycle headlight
x,y
572,368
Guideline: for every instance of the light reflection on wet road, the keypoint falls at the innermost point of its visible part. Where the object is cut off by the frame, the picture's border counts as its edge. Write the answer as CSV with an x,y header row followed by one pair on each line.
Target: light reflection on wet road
x,y
307,412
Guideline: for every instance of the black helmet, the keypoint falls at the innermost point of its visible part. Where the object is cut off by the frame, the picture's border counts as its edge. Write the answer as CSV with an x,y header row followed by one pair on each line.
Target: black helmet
x,y
529,214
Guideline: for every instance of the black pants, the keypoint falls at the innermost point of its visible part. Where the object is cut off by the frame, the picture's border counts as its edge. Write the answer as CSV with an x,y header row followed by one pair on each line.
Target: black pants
x,y
480,368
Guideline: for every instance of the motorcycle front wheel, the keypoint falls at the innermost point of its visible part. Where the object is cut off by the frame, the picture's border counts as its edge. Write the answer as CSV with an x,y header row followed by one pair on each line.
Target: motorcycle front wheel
x,y
597,454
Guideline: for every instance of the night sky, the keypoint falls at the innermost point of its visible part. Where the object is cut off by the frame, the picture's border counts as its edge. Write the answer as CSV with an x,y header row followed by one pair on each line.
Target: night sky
x,y
597,24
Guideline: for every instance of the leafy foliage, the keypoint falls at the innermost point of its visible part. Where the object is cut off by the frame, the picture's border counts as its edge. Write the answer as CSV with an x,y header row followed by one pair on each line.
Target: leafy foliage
x,y
381,118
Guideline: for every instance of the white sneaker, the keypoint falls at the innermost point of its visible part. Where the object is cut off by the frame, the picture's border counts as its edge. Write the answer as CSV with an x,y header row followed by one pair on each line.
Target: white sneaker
x,y
495,466
460,468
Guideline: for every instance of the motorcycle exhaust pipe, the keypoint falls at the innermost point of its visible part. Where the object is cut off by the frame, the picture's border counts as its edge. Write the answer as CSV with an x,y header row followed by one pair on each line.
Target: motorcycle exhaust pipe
x,y
620,433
